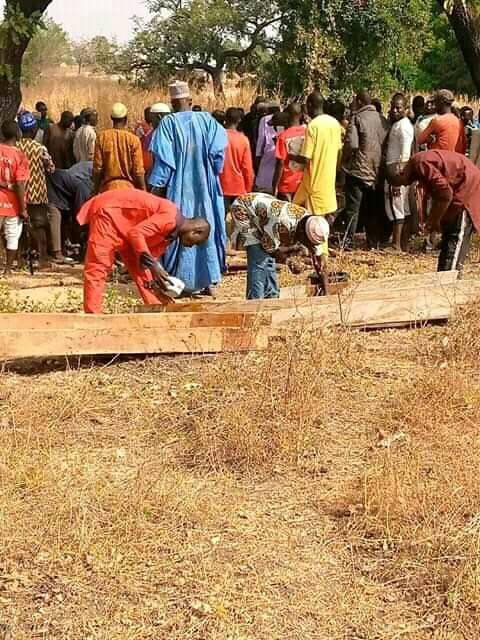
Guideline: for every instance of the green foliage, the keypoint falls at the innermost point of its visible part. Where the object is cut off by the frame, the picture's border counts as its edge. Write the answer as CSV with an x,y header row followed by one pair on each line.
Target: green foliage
x,y
209,35
340,44
442,64
16,26
48,48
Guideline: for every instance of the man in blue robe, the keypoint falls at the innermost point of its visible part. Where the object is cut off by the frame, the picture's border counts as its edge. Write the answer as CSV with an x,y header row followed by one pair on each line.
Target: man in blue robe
x,y
189,150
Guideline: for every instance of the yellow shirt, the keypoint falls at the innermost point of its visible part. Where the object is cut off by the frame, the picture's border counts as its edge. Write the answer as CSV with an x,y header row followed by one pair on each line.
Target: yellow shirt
x,y
323,142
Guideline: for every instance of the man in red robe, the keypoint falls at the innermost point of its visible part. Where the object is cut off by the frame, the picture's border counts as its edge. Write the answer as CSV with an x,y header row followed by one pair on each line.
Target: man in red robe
x,y
139,226
453,183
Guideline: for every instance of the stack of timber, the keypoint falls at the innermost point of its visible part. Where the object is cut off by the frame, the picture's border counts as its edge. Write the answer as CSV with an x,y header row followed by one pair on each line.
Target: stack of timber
x,y
390,302
28,335
212,327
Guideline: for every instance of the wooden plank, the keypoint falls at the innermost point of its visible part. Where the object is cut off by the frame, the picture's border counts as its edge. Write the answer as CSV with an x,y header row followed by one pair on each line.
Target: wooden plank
x,y
359,308
433,278
129,322
405,307
309,290
51,342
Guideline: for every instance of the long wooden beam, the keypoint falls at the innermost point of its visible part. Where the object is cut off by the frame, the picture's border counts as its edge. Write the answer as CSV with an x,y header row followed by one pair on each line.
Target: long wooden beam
x,y
36,335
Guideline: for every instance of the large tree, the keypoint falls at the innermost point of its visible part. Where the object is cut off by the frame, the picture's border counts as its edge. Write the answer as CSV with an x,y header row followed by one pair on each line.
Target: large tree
x,y
342,44
205,35
21,18
464,17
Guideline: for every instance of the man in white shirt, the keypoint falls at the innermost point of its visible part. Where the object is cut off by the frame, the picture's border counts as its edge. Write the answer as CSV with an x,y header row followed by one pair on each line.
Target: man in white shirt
x,y
86,136
399,151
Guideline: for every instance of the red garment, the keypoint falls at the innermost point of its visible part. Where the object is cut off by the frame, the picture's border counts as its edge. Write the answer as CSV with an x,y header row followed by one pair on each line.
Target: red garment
x,y
451,176
14,167
289,142
238,175
448,132
130,222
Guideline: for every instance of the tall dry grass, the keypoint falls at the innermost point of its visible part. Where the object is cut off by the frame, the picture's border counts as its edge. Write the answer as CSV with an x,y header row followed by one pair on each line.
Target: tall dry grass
x,y
74,93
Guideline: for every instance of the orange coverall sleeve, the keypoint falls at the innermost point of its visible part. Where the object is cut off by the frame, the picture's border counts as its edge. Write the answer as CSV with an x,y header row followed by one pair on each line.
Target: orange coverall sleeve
x,y
155,228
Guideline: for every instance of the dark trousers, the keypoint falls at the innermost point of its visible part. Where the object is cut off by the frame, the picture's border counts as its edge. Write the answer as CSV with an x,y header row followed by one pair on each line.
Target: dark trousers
x,y
456,238
358,195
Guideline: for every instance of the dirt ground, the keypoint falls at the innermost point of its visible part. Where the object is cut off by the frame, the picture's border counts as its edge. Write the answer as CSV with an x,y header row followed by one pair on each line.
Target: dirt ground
x,y
326,489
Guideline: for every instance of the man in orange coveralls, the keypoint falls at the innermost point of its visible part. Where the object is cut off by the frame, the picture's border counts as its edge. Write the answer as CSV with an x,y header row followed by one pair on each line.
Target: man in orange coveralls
x,y
139,226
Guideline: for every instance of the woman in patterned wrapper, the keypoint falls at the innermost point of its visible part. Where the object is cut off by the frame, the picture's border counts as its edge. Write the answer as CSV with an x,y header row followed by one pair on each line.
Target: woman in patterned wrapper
x,y
273,230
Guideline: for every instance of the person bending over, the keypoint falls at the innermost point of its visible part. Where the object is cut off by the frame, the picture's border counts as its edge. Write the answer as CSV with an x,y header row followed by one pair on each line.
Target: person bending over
x,y
140,227
453,183
276,230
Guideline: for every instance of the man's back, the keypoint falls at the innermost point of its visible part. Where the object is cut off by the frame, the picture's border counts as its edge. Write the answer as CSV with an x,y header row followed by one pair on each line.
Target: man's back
x,y
364,142
37,183
14,168
454,176
84,143
118,157
448,132
59,143
323,142
237,176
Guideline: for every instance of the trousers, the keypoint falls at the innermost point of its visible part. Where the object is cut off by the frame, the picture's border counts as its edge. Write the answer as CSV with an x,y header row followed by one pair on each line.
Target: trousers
x,y
456,238
261,274
103,243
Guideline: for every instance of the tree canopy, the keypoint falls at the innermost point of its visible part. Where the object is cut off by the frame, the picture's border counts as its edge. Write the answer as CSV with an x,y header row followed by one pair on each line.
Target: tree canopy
x,y
205,35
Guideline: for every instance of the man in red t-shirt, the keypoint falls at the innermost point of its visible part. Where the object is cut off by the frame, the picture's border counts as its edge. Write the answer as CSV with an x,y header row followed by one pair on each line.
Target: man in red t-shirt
x,y
289,174
237,176
139,226
14,173
445,132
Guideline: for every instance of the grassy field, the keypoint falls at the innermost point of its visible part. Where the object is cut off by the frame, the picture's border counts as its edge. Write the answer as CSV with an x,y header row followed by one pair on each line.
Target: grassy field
x,y
74,93
326,489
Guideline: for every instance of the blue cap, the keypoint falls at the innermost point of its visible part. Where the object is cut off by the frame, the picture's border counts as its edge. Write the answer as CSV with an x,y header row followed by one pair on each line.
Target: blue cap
x,y
27,121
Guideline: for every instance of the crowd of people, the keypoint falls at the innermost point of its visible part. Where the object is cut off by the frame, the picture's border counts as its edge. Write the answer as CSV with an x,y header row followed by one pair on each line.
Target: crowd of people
x,y
290,181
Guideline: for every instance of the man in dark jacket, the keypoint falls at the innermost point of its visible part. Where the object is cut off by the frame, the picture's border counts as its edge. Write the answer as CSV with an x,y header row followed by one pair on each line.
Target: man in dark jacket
x,y
362,161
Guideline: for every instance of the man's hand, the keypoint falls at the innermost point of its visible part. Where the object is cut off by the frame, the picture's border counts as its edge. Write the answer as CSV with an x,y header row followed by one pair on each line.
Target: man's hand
x,y
161,279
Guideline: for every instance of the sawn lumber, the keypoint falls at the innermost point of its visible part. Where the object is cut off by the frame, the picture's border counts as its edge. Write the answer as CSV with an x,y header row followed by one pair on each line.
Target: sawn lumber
x,y
47,335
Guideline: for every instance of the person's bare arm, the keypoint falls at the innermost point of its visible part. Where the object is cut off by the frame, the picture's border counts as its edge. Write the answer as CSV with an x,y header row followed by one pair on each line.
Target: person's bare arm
x,y
19,188
320,264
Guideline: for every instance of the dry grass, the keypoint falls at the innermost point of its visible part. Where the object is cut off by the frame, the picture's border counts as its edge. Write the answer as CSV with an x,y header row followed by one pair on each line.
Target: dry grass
x,y
324,490
247,497
74,93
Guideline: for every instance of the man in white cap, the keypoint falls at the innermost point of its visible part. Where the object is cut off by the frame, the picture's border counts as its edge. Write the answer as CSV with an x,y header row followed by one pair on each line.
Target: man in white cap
x,y
156,114
118,158
274,230
189,150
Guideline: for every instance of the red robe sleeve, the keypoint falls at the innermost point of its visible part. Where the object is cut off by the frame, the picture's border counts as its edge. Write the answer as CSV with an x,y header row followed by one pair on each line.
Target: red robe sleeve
x,y
432,178
154,230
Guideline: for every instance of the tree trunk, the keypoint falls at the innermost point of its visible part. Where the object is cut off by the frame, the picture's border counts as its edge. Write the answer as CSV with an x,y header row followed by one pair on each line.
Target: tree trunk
x,y
218,78
465,22
12,48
